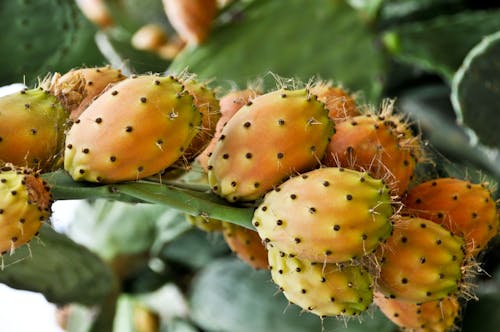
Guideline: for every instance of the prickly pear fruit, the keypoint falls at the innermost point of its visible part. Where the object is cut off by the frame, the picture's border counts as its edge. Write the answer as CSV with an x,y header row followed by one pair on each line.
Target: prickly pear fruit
x,y
96,11
229,105
25,202
421,261
96,81
136,129
149,37
433,316
326,215
276,135
323,289
32,126
339,103
372,143
204,223
192,19
247,244
208,105
462,207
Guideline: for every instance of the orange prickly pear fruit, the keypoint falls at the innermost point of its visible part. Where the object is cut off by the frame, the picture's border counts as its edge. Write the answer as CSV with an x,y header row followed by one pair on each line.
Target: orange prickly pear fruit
x,y
464,208
136,129
339,103
247,244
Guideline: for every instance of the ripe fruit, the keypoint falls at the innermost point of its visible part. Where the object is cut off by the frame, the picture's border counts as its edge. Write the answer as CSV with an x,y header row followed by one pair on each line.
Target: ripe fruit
x,y
433,316
25,202
247,244
229,105
323,289
276,135
192,19
421,262
464,208
136,129
338,102
32,125
96,81
326,215
375,144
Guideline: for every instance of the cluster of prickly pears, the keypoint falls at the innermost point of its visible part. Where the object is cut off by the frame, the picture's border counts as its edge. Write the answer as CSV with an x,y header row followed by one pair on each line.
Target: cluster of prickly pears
x,y
339,210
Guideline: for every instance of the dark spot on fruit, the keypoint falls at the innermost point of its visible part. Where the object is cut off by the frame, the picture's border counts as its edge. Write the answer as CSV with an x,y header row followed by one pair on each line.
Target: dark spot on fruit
x,y
114,93
440,215
264,208
422,225
293,196
404,281
81,171
281,122
332,299
280,155
455,197
422,260
157,82
247,124
248,155
326,183
303,291
144,99
256,185
474,215
336,228
86,150
112,158
364,237
69,146
348,197
140,169
438,242
279,222
328,252
233,183
13,192
312,210
297,240
33,131
404,239
298,269
14,239
418,201
428,293
256,224
225,156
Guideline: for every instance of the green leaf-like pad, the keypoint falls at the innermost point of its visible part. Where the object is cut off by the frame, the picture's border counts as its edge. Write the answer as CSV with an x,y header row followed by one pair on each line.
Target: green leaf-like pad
x,y
476,90
297,39
441,43
60,269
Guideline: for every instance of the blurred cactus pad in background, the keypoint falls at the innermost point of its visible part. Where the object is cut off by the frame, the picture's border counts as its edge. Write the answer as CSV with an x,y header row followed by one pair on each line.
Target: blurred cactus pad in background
x,y
253,165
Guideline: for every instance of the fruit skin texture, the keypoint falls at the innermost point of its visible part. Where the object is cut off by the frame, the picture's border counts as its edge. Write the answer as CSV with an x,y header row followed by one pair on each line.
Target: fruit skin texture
x,y
322,289
208,105
278,134
25,202
136,129
420,262
464,208
96,81
247,244
229,105
326,215
32,126
371,143
339,103
433,316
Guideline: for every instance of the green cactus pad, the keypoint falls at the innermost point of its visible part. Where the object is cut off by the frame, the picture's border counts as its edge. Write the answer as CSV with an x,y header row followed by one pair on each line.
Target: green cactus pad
x,y
475,91
43,36
269,37
428,44
60,269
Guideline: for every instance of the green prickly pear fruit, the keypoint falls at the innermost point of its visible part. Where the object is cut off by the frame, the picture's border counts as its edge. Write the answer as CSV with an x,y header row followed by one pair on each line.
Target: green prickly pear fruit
x,y
229,105
433,316
464,208
326,215
25,202
340,104
276,135
247,244
136,129
378,144
322,289
32,127
420,262
205,223
96,81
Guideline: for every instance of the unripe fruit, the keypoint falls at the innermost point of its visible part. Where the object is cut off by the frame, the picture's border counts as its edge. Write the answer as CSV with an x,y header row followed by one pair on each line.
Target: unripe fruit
x,y
322,289
25,202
